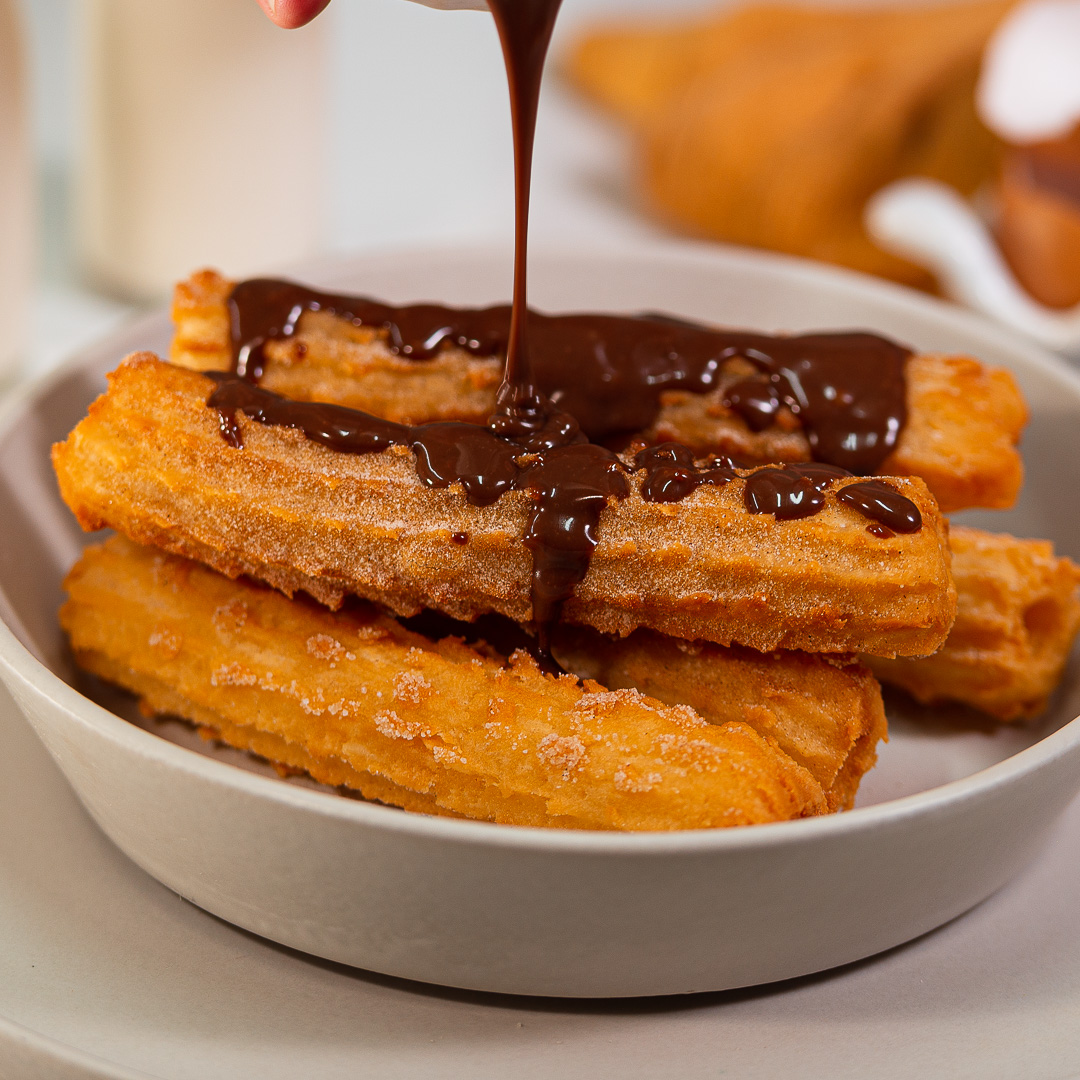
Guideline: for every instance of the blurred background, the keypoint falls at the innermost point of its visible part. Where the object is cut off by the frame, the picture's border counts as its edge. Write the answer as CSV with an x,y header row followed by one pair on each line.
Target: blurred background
x,y
163,137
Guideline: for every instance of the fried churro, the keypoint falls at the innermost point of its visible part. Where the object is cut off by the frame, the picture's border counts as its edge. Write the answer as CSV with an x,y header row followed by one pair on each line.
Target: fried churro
x,y
355,699
150,461
963,420
1018,611
824,712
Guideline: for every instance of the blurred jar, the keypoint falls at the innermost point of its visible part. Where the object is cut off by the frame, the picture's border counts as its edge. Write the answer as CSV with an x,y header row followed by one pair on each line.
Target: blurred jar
x,y
200,142
16,193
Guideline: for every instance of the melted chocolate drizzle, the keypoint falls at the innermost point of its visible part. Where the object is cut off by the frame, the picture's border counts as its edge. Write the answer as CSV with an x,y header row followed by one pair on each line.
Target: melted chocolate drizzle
x,y
671,472
883,504
570,379
609,371
787,492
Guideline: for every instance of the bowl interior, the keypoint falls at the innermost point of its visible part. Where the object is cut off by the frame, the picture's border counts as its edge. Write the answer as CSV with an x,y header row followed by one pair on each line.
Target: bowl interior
x,y
39,539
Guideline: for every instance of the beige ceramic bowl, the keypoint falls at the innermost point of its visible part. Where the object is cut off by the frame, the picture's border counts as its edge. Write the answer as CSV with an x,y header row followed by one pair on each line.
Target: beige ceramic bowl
x,y
954,809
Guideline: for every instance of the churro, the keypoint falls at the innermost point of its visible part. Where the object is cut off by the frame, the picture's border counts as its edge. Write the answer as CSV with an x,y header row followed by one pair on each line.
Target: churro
x,y
824,712
150,461
354,698
962,425
1018,611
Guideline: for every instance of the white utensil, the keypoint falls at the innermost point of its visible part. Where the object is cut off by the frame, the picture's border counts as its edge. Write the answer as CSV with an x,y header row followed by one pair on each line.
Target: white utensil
x,y
930,224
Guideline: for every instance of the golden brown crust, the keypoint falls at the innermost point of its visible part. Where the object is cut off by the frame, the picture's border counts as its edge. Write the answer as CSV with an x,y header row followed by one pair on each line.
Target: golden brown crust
x,y
964,419
149,461
964,424
439,721
1018,612
824,712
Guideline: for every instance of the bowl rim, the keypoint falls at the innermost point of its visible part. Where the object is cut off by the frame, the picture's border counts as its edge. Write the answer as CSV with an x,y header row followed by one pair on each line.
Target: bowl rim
x,y
20,662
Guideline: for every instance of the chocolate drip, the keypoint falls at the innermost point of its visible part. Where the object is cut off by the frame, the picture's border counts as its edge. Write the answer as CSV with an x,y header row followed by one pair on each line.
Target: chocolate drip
x,y
570,479
525,28
609,371
269,309
883,504
756,400
671,472
785,493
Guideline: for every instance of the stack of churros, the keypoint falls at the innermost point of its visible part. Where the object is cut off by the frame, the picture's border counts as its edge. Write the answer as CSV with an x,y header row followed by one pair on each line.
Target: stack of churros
x,y
327,559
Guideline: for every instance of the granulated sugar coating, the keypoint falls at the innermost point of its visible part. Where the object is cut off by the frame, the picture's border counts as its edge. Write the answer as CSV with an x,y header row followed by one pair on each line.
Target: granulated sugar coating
x,y
466,734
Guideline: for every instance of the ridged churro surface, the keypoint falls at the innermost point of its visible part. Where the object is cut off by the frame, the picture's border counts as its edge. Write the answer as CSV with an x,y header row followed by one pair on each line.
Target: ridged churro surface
x,y
964,419
355,699
824,712
1018,611
149,461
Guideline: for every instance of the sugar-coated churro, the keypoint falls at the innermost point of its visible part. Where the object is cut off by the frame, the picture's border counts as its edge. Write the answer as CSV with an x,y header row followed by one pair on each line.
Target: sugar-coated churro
x,y
355,699
824,712
150,461
1018,611
963,418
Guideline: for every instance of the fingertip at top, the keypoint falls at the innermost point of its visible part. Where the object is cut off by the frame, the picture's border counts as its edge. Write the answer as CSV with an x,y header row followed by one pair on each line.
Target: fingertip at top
x,y
291,14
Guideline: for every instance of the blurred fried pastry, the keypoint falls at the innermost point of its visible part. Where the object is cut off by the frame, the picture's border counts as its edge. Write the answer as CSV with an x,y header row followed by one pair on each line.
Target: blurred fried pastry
x,y
772,125
355,699
1018,611
825,712
150,461
963,419
1038,218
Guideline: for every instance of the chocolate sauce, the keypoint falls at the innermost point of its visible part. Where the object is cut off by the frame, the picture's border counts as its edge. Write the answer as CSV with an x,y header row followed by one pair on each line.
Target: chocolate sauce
x,y
609,371
269,309
755,399
787,492
784,493
525,28
883,504
671,472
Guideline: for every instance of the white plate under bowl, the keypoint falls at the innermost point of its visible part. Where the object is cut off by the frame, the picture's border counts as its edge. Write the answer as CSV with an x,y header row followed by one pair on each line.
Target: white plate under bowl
x,y
955,808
